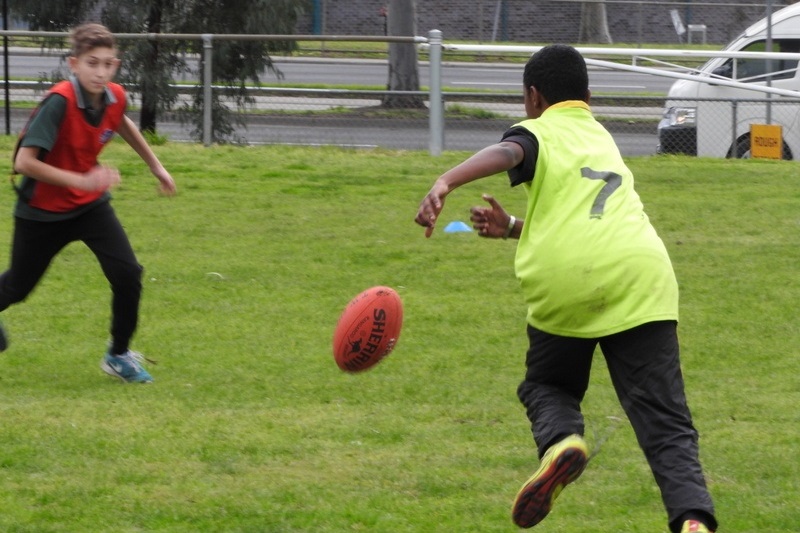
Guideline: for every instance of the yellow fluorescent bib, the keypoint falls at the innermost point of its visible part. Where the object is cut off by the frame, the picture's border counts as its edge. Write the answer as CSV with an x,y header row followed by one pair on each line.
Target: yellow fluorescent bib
x,y
589,262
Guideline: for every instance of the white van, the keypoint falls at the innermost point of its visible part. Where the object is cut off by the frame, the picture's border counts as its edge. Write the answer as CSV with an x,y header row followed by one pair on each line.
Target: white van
x,y
710,124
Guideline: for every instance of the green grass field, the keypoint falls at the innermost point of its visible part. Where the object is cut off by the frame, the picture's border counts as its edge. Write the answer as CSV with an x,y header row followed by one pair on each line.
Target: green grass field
x,y
251,427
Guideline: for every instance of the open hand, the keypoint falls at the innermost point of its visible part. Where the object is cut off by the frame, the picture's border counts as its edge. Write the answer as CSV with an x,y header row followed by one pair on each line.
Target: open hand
x,y
166,184
491,222
430,207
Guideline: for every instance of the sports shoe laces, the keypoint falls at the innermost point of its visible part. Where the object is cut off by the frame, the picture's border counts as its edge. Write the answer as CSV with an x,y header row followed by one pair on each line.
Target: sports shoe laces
x,y
137,358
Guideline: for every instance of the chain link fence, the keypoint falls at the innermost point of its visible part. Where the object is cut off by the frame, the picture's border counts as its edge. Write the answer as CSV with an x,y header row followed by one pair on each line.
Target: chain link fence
x,y
634,22
473,120
481,96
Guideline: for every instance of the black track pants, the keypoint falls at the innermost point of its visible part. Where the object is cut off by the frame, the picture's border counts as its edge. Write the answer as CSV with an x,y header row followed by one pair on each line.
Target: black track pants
x,y
645,369
36,243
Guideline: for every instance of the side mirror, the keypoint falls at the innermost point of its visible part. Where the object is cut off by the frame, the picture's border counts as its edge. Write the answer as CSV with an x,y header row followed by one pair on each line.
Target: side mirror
x,y
722,71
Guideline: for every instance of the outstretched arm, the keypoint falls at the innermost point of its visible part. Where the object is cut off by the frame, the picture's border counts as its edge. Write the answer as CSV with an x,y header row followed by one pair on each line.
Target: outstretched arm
x,y
128,131
488,162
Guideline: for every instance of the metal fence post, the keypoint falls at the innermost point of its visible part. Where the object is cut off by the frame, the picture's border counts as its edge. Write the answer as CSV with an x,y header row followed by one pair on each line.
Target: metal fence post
x,y
436,111
207,49
5,69
734,120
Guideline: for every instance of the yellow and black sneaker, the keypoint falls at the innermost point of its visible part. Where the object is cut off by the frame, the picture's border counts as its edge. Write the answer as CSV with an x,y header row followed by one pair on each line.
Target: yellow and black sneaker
x,y
562,464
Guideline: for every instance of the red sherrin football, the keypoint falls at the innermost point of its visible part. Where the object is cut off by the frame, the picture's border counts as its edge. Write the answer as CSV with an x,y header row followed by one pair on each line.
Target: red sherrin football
x,y
368,329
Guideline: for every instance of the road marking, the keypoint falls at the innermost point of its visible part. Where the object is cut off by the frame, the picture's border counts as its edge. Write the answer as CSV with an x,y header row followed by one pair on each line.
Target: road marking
x,y
509,69
618,86
483,83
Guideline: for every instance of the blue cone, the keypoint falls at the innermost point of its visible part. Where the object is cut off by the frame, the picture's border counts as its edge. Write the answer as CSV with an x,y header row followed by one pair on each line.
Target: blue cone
x,y
457,227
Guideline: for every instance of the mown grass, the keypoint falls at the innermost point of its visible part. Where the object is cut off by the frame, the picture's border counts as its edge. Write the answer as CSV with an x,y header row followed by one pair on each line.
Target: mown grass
x,y
251,427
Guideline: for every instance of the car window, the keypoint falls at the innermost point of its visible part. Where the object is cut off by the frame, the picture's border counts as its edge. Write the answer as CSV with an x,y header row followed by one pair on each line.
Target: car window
x,y
756,70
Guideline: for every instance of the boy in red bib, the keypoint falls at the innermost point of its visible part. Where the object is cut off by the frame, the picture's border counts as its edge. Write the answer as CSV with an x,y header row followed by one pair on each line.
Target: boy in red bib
x,y
64,193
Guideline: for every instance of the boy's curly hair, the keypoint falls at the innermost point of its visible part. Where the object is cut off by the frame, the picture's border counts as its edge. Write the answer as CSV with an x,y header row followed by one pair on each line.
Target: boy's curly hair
x,y
558,71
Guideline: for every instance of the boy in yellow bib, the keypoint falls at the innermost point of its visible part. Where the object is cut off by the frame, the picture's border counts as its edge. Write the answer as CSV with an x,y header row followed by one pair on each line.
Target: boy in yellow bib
x,y
593,272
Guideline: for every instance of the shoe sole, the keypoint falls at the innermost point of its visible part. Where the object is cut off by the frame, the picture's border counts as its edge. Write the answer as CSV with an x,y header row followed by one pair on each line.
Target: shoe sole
x,y
536,497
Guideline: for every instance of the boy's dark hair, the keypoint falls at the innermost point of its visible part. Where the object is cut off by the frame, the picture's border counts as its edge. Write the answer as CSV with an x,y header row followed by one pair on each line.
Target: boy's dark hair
x,y
558,71
89,36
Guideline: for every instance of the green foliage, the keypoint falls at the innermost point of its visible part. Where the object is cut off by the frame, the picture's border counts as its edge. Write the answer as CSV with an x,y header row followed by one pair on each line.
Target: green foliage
x,y
462,110
52,15
149,66
251,427
154,139
235,62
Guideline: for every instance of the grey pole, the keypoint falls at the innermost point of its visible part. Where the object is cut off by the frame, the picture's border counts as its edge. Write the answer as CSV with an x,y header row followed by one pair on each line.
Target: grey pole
x,y
769,61
734,121
5,68
436,111
207,48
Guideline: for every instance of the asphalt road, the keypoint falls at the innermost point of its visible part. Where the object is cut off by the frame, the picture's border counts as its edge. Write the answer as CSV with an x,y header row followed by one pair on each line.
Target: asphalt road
x,y
397,134
497,76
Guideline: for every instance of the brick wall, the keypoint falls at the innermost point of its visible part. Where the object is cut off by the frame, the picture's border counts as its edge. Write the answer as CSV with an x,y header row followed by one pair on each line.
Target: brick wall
x,y
538,21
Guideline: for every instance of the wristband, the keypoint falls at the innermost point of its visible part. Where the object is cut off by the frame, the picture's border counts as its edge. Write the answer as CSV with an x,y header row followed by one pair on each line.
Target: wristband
x,y
512,221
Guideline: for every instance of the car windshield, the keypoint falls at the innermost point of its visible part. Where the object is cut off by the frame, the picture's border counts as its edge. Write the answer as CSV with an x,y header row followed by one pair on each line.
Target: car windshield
x,y
758,69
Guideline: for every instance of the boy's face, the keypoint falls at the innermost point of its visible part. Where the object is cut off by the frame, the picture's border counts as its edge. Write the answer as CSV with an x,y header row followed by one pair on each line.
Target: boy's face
x,y
95,68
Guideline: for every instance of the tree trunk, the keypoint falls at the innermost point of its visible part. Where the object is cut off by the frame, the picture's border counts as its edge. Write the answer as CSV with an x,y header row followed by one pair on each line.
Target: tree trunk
x,y
594,24
149,112
403,65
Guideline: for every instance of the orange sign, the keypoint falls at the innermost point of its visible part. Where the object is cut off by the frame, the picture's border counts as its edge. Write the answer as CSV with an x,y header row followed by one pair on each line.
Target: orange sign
x,y
766,141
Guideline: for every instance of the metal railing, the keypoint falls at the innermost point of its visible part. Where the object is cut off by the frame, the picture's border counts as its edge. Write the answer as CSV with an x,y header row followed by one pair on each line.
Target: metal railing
x,y
668,64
